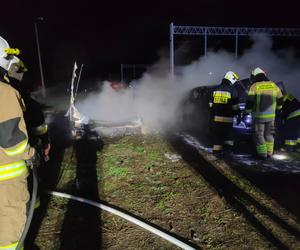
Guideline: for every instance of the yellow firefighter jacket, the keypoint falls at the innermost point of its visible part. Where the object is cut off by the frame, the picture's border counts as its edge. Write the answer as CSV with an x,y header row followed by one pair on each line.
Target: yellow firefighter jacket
x,y
264,98
14,147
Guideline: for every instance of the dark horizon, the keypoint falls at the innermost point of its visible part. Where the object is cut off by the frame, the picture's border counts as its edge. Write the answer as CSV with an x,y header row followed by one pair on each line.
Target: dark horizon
x,y
102,36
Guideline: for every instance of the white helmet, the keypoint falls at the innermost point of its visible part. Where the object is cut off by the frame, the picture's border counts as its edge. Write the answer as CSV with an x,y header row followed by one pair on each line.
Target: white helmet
x,y
257,71
6,54
231,77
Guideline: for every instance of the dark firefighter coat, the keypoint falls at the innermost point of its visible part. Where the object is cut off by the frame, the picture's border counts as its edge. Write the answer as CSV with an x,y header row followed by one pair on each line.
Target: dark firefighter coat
x,y
264,98
290,108
224,102
14,146
34,117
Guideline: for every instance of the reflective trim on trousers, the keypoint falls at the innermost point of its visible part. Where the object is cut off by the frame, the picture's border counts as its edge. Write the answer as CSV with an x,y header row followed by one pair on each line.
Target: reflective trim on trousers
x,y
270,147
261,149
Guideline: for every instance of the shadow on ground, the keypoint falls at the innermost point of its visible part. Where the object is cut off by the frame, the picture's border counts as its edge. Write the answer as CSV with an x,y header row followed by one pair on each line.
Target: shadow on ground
x,y
81,227
49,173
232,193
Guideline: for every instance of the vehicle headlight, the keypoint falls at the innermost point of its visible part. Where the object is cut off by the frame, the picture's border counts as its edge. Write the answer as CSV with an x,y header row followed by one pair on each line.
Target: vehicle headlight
x,y
248,119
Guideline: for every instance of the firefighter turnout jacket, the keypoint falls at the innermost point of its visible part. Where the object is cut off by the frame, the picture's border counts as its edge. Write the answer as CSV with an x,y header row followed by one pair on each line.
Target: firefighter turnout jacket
x,y
264,98
14,146
34,118
224,103
291,116
290,108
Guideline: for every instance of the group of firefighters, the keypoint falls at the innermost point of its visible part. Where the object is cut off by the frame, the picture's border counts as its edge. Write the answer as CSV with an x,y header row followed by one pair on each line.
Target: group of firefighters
x,y
266,101
23,132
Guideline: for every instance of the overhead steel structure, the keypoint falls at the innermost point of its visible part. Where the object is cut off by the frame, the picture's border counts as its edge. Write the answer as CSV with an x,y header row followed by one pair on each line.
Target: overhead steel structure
x,y
224,31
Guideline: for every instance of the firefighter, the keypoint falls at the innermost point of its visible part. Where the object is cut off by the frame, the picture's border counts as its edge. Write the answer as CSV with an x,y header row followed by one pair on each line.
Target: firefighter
x,y
14,151
33,115
264,98
291,117
224,104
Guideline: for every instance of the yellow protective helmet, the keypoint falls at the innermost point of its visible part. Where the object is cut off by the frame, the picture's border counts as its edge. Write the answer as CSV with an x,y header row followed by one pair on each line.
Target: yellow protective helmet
x,y
231,77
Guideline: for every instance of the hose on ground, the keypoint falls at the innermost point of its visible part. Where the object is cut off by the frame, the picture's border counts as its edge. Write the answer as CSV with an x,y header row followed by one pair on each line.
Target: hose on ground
x,y
126,217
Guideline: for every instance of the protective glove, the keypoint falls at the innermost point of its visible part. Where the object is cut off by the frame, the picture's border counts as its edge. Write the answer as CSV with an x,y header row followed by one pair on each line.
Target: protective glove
x,y
34,161
46,151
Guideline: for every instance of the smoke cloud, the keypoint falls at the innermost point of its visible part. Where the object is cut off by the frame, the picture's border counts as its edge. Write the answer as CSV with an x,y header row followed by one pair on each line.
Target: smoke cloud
x,y
156,96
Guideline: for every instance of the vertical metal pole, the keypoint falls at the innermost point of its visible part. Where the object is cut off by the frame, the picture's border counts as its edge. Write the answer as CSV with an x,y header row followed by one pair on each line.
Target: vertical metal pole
x,y
40,59
236,43
122,72
205,42
134,75
172,50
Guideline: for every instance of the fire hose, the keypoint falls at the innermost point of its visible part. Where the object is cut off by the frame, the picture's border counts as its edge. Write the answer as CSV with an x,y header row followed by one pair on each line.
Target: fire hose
x,y
31,206
127,217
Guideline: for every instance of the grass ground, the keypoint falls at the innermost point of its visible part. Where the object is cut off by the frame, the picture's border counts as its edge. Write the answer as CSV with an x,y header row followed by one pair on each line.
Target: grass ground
x,y
208,205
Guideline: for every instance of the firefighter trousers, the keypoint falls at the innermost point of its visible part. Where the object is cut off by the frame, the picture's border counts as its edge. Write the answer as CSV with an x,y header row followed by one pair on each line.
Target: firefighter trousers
x,y
222,136
14,196
292,133
264,137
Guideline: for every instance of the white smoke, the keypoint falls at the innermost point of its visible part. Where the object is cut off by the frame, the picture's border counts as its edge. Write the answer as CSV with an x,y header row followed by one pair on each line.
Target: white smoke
x,y
156,96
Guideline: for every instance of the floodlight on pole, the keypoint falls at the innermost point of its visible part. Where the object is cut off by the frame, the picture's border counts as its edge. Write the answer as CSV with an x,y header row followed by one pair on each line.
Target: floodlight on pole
x,y
39,19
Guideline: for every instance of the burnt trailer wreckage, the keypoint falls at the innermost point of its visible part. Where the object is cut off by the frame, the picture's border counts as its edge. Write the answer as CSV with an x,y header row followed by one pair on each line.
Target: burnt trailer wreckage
x,y
83,126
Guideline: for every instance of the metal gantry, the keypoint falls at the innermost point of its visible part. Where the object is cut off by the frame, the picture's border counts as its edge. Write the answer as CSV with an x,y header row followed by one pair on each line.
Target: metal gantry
x,y
224,31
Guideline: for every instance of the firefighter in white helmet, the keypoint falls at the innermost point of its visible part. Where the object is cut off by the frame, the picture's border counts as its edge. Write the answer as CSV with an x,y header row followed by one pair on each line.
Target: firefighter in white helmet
x,y
224,104
34,118
14,150
264,98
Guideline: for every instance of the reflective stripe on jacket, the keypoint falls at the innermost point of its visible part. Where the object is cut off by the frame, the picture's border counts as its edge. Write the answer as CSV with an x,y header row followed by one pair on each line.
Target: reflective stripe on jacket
x,y
223,119
291,107
14,147
41,130
11,247
12,170
263,99
224,102
293,114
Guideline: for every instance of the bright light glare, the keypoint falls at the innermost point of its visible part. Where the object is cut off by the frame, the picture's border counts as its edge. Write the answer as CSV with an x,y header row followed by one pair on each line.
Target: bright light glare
x,y
279,157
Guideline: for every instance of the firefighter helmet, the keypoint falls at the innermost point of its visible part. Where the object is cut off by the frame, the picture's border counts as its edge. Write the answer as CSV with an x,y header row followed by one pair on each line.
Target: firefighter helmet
x,y
4,60
257,71
231,77
6,54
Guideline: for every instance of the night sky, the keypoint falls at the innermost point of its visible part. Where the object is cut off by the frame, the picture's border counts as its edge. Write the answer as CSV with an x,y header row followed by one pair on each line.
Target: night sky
x,y
104,34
